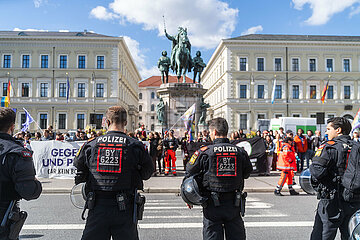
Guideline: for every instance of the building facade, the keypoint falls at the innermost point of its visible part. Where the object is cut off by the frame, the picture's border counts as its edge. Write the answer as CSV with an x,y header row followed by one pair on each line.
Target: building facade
x,y
67,79
240,78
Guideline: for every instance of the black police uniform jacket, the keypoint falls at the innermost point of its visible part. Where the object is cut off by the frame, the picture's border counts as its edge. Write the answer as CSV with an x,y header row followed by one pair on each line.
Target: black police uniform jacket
x,y
113,162
223,166
330,161
17,171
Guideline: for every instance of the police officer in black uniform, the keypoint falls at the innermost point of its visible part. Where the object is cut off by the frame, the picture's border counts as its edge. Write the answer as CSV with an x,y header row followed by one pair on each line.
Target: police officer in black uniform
x,y
17,172
328,166
113,167
222,168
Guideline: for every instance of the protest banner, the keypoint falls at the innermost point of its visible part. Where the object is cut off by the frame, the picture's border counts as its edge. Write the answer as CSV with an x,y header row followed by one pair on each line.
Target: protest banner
x,y
54,159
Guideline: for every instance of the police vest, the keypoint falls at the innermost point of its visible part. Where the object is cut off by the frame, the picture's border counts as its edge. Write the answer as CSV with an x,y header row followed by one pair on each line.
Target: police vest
x,y
7,187
225,168
342,150
114,164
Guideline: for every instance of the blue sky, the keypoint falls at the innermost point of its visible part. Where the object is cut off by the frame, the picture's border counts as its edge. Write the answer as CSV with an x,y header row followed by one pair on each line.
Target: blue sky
x,y
208,21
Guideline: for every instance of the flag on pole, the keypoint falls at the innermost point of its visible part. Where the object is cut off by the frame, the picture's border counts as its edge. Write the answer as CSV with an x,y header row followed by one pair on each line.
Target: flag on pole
x,y
189,120
356,122
5,101
8,90
273,92
67,89
323,93
26,124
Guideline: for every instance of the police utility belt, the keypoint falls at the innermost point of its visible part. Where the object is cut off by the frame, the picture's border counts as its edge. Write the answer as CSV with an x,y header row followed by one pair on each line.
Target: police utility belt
x,y
123,200
14,219
238,196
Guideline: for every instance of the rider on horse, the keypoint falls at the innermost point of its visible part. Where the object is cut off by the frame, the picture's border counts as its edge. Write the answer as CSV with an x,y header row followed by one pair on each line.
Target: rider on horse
x,y
175,45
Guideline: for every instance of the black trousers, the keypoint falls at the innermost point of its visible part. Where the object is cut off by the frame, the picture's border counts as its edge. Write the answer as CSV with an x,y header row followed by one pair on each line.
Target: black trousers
x,y
300,163
4,232
105,221
223,219
332,215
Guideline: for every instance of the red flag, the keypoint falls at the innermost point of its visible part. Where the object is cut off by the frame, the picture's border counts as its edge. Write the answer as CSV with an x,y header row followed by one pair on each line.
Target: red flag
x,y
323,94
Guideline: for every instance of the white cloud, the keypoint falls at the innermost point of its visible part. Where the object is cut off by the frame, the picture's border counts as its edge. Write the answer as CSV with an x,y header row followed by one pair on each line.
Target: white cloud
x,y
208,21
38,3
354,11
139,58
30,30
102,13
253,30
63,30
323,10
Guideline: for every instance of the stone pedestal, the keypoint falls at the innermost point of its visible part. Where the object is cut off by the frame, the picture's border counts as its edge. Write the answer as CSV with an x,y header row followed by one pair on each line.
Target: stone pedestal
x,y
179,97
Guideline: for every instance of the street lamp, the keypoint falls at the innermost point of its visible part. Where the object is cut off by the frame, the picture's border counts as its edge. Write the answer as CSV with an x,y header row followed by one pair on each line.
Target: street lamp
x,y
94,89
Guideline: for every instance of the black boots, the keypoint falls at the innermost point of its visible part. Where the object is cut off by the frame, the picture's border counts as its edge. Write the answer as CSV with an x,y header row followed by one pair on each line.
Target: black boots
x,y
277,193
293,192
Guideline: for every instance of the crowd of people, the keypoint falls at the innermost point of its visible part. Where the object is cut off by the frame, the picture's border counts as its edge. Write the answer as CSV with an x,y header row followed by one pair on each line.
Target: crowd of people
x,y
162,147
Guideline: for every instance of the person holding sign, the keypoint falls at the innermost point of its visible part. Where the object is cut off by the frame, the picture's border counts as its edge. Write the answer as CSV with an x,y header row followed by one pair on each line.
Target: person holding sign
x,y
113,166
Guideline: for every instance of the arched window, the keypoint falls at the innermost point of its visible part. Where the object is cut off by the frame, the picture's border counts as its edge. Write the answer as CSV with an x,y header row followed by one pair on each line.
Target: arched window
x,y
140,108
152,107
152,95
140,95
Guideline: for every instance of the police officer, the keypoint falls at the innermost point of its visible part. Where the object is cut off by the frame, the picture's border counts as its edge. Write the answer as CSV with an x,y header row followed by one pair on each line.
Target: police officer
x,y
328,164
113,167
223,168
17,172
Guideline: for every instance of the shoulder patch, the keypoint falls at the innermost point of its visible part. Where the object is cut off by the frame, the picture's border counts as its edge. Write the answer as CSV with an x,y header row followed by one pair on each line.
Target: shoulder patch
x,y
78,152
330,142
204,148
194,157
319,150
26,154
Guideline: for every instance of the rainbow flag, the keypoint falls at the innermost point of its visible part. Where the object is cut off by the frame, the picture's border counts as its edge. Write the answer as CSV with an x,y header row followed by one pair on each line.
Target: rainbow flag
x,y
323,93
356,122
5,101
189,120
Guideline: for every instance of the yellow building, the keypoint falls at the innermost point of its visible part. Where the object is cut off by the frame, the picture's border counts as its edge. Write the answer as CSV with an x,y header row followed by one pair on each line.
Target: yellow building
x,y
99,70
240,77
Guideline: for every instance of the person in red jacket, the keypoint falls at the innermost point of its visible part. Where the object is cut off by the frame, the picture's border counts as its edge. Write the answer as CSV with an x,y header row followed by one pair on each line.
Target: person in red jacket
x,y
286,163
301,148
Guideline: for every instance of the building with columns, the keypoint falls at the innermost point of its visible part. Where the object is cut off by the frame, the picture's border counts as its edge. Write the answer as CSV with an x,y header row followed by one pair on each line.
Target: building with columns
x,y
241,73
98,70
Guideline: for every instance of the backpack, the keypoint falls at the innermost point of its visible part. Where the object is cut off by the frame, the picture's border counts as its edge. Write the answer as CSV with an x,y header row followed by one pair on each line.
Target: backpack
x,y
350,180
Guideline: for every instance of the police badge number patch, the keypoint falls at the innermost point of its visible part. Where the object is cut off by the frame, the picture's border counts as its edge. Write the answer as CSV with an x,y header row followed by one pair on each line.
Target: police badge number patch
x,y
109,159
226,166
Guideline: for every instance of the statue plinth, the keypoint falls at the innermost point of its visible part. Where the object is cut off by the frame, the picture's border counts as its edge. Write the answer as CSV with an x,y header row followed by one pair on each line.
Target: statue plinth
x,y
179,97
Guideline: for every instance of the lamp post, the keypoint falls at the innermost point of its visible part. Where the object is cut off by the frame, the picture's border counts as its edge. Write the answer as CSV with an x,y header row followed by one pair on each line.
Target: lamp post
x,y
94,89
252,83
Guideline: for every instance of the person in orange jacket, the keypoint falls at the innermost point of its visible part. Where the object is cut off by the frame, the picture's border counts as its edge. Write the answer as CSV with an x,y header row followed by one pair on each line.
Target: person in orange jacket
x,y
286,163
301,148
